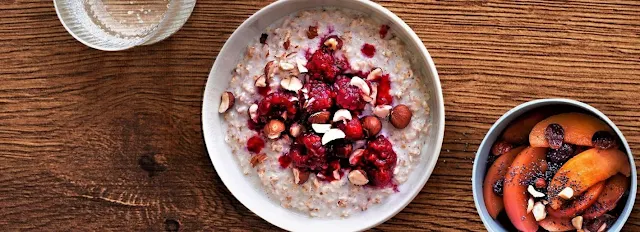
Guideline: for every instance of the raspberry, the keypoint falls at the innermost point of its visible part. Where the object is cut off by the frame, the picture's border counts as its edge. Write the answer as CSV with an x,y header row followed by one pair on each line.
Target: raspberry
x,y
321,95
384,88
380,159
322,65
274,105
342,150
352,129
348,96
308,153
255,144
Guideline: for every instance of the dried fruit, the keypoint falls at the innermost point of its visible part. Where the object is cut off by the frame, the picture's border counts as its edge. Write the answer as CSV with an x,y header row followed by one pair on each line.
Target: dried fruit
x,y
540,183
554,134
371,125
603,140
320,117
501,147
401,116
562,154
226,101
331,135
274,128
358,177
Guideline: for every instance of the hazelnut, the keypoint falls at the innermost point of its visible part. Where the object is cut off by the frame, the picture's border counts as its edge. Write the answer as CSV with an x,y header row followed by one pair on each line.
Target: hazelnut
x,y
286,66
226,101
358,177
332,43
374,74
320,117
295,130
321,128
300,177
371,125
253,112
273,129
261,81
361,84
401,116
302,65
356,156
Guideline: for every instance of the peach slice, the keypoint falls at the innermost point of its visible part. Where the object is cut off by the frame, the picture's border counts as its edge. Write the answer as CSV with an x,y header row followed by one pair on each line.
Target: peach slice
x,y
585,170
614,189
527,165
496,172
518,131
574,128
556,224
578,205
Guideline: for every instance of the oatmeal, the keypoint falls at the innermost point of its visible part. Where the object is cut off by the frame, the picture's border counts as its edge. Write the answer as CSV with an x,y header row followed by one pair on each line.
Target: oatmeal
x,y
325,112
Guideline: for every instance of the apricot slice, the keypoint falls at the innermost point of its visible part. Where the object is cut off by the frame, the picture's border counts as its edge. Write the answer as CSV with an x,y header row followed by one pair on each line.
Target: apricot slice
x,y
496,172
580,204
575,128
518,131
586,169
552,224
526,166
614,189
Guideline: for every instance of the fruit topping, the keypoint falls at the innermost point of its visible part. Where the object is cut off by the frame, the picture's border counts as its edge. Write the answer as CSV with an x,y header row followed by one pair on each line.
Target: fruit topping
x,y
323,66
308,153
226,101
554,134
518,130
342,150
321,94
348,96
525,166
380,161
500,148
613,191
255,144
384,29
603,140
274,105
368,50
401,116
384,91
352,129
599,224
492,187
561,154
284,161
578,129
551,223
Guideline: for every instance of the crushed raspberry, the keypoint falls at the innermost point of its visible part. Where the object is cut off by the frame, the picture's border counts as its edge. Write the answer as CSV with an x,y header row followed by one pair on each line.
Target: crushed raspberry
x,y
368,50
380,160
321,94
342,150
274,105
255,144
348,96
264,91
284,161
308,153
384,88
352,129
384,29
327,174
322,65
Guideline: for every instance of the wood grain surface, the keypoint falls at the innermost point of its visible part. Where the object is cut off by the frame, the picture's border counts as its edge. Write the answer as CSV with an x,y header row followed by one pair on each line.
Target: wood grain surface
x,y
112,141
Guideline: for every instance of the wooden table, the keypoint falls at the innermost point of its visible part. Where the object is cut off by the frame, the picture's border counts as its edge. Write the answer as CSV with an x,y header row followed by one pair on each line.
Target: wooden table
x,y
79,127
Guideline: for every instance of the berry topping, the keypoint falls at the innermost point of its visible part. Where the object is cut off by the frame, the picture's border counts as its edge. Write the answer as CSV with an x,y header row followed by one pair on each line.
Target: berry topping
x,y
368,50
380,160
284,161
384,88
308,153
554,134
348,96
321,95
275,105
352,129
322,66
255,144
384,29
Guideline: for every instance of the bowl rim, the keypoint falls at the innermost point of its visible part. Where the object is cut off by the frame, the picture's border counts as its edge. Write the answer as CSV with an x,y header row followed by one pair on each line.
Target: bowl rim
x,y
438,107
477,178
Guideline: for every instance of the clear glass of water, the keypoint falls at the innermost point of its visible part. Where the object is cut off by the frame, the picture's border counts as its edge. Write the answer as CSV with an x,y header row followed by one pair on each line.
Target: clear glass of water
x,y
113,25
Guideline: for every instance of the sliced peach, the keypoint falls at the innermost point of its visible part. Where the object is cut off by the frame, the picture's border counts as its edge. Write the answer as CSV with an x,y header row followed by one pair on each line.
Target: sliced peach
x,y
527,165
518,131
614,189
585,170
496,172
578,129
578,205
552,224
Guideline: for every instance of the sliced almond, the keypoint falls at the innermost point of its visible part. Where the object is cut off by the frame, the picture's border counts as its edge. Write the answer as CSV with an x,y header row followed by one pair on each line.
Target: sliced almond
x,y
302,65
539,211
358,177
374,94
382,111
535,193
342,115
257,159
361,84
321,128
603,227
226,101
577,222
530,203
308,102
374,74
291,83
299,177
295,130
336,174
286,66
356,156
253,112
269,69
261,81
566,193
321,117
332,134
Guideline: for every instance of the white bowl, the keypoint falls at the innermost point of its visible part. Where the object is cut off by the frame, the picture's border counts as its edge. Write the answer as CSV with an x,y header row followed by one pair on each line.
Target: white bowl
x,y
254,197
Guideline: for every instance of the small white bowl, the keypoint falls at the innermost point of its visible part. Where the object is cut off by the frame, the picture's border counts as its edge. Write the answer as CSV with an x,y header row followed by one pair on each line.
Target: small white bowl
x,y
254,197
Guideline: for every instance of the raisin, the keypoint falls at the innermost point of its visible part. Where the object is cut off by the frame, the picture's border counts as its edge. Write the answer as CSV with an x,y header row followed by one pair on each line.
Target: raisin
x,y
500,148
603,140
562,154
497,187
554,133
263,38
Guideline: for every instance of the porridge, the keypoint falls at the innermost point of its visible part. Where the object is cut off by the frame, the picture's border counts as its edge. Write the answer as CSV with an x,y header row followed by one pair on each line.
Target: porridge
x,y
325,112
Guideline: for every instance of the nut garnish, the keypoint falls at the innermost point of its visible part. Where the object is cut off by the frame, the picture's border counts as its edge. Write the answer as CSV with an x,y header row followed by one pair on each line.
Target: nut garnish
x,y
291,83
253,112
226,101
603,227
302,65
320,117
577,222
336,174
535,193
361,84
530,205
261,81
274,128
321,128
342,115
286,66
400,116
539,212
374,74
268,69
295,130
312,32
356,156
332,134
371,125
566,193
374,94
358,177
257,159
300,177
332,43
382,111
